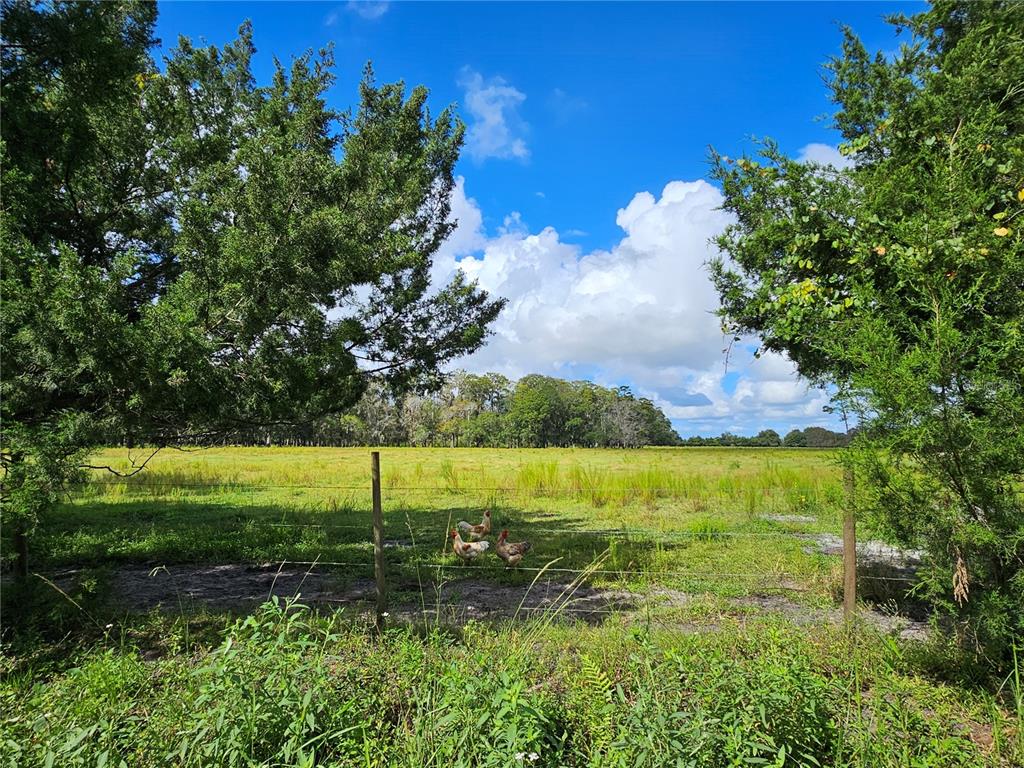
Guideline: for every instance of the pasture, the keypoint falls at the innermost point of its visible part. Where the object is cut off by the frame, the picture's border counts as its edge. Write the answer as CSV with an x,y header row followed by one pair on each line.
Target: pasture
x,y
715,521
675,602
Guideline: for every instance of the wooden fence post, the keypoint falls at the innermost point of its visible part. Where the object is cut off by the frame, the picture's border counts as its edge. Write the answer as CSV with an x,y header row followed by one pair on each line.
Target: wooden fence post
x,y
849,549
378,541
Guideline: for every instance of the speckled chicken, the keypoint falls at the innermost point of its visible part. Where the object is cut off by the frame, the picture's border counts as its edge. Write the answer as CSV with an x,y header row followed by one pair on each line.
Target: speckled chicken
x,y
511,552
468,550
476,532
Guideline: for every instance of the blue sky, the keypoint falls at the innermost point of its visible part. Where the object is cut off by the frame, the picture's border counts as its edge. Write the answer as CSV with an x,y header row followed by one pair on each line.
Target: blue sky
x,y
582,197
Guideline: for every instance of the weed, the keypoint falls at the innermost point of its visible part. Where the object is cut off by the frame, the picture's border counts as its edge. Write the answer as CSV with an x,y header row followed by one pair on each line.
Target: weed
x,y
707,529
450,476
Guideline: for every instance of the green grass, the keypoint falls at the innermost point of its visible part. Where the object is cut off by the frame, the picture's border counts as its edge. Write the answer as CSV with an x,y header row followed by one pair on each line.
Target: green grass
x,y
706,681
287,688
697,513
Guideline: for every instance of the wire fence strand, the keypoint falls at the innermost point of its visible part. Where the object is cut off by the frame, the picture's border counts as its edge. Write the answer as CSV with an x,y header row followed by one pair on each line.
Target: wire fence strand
x,y
415,524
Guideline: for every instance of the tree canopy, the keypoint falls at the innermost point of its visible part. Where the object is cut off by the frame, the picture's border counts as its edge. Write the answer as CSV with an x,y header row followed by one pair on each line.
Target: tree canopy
x,y
486,410
186,252
900,282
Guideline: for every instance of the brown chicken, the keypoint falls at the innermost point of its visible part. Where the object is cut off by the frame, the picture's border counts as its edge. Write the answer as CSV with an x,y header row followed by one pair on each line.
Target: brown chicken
x,y
511,552
468,550
477,532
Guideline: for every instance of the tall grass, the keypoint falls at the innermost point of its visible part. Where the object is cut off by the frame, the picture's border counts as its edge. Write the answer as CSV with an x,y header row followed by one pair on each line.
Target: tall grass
x,y
287,688
539,478
589,484
599,486
755,482
450,477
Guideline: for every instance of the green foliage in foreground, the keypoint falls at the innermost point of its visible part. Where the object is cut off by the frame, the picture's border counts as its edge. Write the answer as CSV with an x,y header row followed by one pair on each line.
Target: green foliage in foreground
x,y
286,689
900,281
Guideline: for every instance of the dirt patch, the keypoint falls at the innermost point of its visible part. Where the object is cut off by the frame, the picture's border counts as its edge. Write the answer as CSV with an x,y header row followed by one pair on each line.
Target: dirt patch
x,y
466,598
801,615
885,573
240,587
870,554
218,587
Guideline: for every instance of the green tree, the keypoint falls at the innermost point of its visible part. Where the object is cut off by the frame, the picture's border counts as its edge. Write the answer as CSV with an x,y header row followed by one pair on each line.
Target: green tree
x,y
795,438
900,281
536,412
767,438
186,253
819,437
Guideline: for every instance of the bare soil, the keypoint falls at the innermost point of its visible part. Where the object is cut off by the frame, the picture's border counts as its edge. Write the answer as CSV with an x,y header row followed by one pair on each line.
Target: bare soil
x,y
240,587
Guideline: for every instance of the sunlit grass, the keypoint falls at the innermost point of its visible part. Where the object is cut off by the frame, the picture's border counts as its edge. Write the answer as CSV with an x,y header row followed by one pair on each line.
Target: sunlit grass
x,y
691,519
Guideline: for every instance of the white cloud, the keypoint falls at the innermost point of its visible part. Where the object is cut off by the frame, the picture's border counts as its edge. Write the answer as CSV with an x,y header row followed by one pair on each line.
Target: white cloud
x,y
468,235
368,9
824,154
640,313
495,126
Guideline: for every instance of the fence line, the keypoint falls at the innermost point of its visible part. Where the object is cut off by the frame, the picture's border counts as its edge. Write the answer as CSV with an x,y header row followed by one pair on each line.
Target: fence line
x,y
458,568
537,491
692,574
220,486
605,488
640,533
535,569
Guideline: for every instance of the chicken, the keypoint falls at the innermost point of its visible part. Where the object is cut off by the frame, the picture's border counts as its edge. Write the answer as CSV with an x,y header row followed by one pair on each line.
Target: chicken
x,y
468,550
511,553
477,532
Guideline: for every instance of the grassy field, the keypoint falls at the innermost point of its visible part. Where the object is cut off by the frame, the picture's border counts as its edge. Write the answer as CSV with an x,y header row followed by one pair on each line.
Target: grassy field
x,y
709,680
657,513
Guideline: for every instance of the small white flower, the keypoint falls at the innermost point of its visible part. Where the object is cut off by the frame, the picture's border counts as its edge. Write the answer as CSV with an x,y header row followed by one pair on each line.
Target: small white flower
x,y
520,756
533,756
109,626
385,614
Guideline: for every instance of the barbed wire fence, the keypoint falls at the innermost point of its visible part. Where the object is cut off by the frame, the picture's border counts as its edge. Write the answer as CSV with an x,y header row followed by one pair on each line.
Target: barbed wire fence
x,y
384,569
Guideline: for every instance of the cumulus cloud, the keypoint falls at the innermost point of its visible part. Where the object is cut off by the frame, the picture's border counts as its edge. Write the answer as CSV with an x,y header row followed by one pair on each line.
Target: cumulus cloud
x,y
468,235
824,154
641,312
496,128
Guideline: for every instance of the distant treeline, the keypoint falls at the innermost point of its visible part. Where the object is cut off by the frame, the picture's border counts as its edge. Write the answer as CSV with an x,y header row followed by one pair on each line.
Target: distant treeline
x,y
487,410
490,410
812,437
